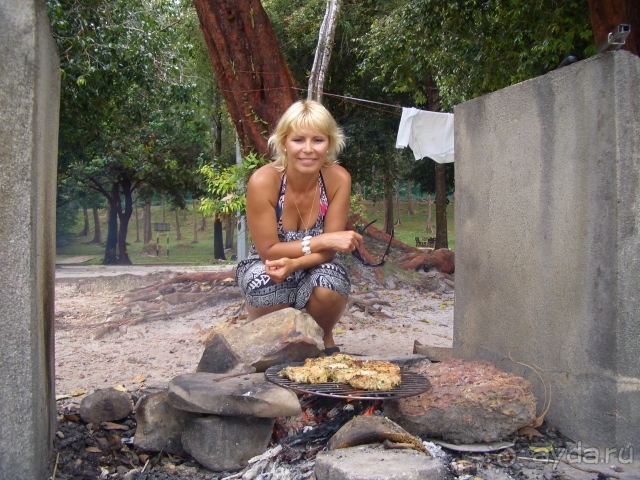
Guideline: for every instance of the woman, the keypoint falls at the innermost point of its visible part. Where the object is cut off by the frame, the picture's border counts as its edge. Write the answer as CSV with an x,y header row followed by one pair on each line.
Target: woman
x,y
297,209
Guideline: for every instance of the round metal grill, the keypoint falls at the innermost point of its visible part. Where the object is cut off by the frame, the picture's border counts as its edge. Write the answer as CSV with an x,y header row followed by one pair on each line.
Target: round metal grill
x,y
411,384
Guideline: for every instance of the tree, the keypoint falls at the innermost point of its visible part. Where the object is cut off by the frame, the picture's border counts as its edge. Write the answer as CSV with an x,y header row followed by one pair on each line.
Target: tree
x,y
471,48
253,77
127,115
323,51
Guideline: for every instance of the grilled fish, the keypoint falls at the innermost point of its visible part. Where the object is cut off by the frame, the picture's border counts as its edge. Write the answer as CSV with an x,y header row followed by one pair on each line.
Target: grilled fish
x,y
341,368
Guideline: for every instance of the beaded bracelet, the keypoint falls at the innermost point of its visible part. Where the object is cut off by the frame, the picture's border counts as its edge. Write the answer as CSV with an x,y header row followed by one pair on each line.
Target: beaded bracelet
x,y
306,248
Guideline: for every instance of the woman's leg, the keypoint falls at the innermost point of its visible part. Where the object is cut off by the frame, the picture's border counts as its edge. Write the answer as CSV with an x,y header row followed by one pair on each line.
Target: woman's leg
x,y
326,307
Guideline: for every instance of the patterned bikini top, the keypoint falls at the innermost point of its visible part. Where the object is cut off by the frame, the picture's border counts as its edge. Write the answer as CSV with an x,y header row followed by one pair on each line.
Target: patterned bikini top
x,y
318,227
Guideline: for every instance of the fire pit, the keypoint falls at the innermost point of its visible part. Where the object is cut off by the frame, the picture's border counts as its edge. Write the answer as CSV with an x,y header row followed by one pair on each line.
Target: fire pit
x,y
411,384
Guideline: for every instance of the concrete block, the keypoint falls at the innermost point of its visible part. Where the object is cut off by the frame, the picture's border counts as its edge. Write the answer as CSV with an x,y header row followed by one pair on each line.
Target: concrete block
x,y
29,103
547,246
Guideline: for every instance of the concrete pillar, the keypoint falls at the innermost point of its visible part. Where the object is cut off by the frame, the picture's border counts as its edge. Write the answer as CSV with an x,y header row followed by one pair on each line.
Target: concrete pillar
x,y
29,102
547,244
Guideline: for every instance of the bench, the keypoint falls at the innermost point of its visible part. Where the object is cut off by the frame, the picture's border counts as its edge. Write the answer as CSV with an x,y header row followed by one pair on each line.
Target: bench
x,y
420,243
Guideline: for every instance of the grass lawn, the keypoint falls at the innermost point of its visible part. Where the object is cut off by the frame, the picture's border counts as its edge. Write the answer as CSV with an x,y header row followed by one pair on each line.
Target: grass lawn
x,y
201,253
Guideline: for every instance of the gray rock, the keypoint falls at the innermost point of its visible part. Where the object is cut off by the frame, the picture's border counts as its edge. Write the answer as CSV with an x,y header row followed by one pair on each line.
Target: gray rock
x,y
284,336
219,357
468,402
366,429
106,405
373,462
247,395
160,425
405,362
227,443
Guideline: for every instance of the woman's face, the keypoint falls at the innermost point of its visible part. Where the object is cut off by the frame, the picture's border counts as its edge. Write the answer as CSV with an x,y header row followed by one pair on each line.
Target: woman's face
x,y
306,149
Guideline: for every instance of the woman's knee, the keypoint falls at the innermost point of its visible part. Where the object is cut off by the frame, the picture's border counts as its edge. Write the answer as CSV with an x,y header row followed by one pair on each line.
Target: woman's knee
x,y
326,296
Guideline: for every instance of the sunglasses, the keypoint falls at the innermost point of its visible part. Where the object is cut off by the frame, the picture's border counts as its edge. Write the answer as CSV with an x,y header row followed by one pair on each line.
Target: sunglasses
x,y
358,256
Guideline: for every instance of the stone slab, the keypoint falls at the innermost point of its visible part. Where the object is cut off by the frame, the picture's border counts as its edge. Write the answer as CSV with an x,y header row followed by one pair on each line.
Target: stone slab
x,y
547,251
373,462
246,395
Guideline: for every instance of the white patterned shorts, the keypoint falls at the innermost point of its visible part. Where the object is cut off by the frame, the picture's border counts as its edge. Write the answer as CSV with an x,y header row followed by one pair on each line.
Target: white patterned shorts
x,y
261,291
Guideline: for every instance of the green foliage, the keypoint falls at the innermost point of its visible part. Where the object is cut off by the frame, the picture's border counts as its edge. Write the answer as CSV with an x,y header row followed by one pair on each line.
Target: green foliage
x,y
469,48
356,205
227,187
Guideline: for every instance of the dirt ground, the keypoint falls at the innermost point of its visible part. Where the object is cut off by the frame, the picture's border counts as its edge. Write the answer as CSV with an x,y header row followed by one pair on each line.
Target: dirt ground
x,y
153,352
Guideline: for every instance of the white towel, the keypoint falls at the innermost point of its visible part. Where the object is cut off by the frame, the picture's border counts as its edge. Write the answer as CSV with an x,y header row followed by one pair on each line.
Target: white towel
x,y
429,134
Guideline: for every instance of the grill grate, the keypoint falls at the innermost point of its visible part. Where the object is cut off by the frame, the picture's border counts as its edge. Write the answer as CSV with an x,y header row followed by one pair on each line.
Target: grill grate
x,y
412,384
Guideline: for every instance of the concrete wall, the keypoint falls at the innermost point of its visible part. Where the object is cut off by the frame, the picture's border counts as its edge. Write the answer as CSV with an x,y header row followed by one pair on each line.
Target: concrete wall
x,y
29,101
547,245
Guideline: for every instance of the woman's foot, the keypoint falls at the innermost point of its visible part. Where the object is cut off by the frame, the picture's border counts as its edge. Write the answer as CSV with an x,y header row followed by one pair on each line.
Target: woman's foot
x,y
331,350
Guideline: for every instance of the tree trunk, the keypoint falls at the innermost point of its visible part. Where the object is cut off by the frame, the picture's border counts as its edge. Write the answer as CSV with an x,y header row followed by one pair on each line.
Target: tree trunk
x,y
110,256
441,207
124,215
229,229
97,234
409,198
164,218
253,76
85,230
441,179
398,221
178,234
429,224
195,221
135,203
204,222
606,15
358,189
218,246
323,51
146,223
388,203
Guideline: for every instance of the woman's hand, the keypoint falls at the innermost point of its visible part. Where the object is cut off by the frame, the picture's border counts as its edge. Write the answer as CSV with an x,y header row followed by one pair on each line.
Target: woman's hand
x,y
279,270
345,241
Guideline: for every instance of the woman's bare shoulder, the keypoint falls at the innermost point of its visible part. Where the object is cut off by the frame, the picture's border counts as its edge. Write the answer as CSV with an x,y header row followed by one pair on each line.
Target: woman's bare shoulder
x,y
336,173
335,177
265,177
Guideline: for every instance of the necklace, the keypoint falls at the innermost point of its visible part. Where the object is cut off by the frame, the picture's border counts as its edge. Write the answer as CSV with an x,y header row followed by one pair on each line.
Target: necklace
x,y
310,212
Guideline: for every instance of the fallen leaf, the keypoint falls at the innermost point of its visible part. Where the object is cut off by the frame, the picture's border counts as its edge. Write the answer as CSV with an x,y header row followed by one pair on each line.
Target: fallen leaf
x,y
93,450
120,388
417,330
339,331
143,457
71,418
393,330
77,392
114,426
63,396
412,307
229,279
443,306
547,449
425,321
139,378
197,326
529,432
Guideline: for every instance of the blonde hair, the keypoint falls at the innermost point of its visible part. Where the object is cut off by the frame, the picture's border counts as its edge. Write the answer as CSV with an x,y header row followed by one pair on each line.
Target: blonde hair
x,y
302,115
